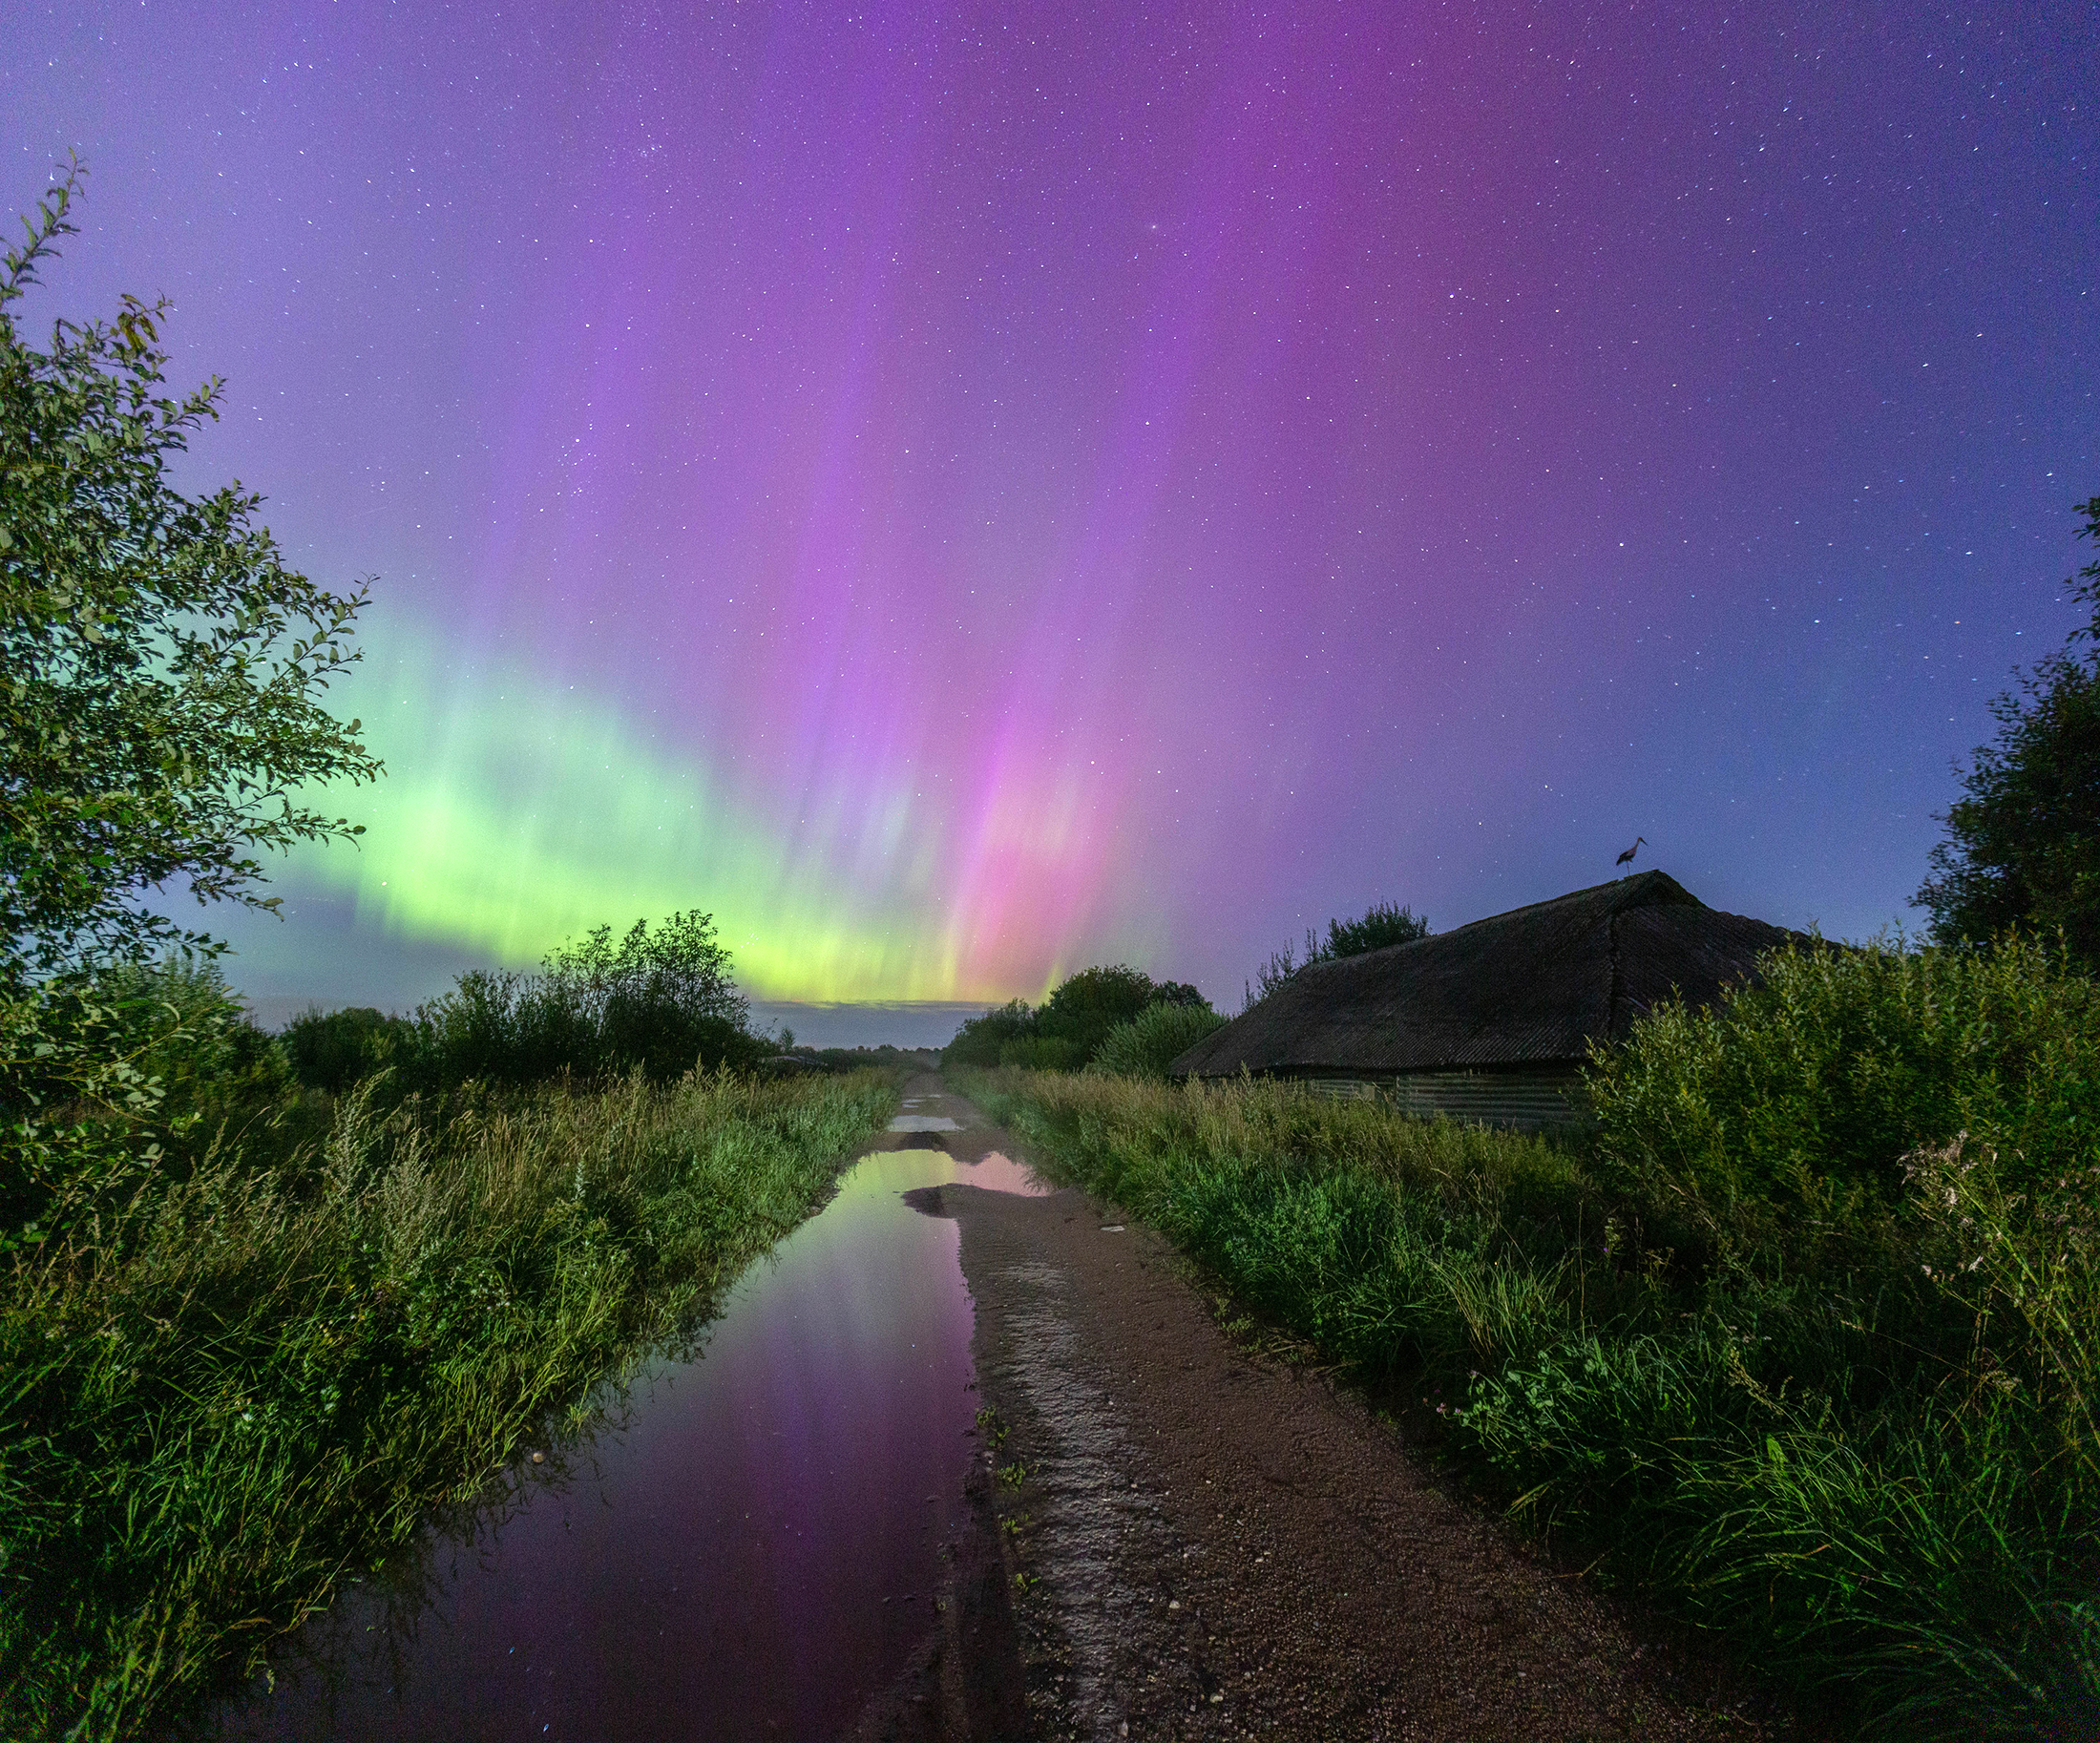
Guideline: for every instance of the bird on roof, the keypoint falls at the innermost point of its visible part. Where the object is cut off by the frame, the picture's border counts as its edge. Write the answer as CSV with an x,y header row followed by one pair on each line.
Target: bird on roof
x,y
1626,858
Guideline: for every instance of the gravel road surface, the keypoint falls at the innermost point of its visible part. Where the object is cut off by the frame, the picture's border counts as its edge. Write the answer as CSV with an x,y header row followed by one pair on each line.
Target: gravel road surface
x,y
1174,1537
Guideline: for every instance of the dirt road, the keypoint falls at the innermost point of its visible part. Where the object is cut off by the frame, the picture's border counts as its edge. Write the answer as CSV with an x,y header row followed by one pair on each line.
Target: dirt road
x,y
1202,1542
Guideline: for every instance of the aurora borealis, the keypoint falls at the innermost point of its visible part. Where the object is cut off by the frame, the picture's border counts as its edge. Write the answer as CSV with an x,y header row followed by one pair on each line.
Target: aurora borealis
x,y
962,493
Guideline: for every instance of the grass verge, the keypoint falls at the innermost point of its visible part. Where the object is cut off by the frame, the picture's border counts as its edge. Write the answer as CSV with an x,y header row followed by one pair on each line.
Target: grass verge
x,y
219,1400
1874,1478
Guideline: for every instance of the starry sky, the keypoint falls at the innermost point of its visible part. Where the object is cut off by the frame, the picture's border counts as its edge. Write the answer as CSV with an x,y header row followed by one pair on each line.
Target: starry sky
x,y
965,491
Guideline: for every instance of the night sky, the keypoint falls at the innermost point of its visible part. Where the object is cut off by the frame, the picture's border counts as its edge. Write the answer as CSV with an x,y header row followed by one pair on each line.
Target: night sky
x,y
966,493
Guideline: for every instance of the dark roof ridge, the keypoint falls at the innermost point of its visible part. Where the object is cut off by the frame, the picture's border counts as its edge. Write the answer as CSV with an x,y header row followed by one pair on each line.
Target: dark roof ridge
x,y
1536,984
1638,890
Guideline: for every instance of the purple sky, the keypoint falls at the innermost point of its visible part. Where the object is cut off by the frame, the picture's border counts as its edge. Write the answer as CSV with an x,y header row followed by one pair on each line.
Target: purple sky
x,y
965,492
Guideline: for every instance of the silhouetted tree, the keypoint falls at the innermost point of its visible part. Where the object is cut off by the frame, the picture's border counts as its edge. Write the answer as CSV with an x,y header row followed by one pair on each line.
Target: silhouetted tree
x,y
2023,847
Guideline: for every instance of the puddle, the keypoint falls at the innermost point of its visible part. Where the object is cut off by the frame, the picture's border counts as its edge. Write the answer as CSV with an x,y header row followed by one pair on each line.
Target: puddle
x,y
998,1173
923,1123
750,1551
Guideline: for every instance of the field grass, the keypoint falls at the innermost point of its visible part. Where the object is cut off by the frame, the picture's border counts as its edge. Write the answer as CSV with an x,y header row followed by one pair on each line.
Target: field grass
x,y
1871,1470
218,1400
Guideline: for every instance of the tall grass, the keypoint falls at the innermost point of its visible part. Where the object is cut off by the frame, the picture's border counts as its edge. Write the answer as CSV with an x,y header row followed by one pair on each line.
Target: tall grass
x,y
224,1391
1803,1343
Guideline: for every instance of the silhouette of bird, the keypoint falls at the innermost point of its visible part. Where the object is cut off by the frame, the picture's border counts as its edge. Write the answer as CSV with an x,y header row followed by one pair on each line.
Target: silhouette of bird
x,y
1626,858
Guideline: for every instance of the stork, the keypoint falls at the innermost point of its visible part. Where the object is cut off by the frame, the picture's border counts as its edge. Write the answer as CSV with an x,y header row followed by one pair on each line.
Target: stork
x,y
1626,858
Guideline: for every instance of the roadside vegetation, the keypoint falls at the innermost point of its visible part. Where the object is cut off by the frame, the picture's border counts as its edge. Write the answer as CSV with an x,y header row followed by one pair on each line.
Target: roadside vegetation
x,y
1799,1339
252,1364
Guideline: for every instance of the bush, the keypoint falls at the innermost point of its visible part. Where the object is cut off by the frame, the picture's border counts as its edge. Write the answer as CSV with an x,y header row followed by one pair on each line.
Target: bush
x,y
659,1002
1084,1008
1042,1053
979,1039
111,1080
1071,1025
336,1050
1779,1123
1153,1040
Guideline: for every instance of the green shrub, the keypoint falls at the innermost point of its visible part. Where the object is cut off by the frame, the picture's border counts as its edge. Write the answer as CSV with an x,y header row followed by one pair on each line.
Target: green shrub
x,y
659,1002
1776,1124
1072,1024
114,1079
336,1050
1084,1008
1042,1053
1153,1040
978,1042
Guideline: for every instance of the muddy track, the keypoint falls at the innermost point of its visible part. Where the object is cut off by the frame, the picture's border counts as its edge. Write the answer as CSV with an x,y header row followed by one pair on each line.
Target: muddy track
x,y
1172,1537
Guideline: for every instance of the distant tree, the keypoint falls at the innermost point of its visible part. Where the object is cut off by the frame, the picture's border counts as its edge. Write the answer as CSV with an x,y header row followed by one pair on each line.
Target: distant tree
x,y
1382,924
978,1041
1068,1028
160,668
1084,1008
2023,847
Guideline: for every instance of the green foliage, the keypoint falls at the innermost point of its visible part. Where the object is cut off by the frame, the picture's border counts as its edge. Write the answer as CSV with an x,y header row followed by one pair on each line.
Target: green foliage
x,y
1382,924
1072,1024
1145,1046
336,1050
159,716
658,1002
2022,846
110,1078
1042,1053
1083,1009
1779,1126
980,1038
248,1381
1804,1347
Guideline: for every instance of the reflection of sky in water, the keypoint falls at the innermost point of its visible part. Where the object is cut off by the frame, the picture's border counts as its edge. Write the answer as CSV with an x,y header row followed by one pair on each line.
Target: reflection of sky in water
x,y
753,1548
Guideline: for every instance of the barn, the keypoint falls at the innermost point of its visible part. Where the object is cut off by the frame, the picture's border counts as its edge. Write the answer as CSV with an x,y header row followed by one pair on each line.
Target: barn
x,y
1490,1023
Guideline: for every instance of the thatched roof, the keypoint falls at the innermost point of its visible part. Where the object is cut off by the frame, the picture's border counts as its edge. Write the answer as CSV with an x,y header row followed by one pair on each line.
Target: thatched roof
x,y
1533,986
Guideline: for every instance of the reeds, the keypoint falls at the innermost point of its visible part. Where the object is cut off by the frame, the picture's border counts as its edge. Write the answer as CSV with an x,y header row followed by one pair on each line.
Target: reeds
x,y
222,1397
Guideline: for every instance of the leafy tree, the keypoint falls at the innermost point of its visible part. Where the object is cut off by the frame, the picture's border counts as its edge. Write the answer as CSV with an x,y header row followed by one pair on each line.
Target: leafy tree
x,y
159,709
1382,924
978,1042
1072,1023
2023,847
1084,1008
659,1002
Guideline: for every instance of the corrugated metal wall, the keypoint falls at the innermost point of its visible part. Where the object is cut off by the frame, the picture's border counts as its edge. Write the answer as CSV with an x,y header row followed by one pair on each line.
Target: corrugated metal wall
x,y
1544,1099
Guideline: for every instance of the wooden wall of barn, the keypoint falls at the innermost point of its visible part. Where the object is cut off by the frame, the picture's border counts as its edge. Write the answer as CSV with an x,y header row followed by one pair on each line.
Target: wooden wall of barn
x,y
1530,1099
